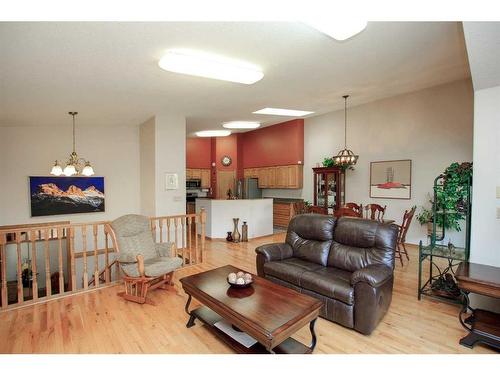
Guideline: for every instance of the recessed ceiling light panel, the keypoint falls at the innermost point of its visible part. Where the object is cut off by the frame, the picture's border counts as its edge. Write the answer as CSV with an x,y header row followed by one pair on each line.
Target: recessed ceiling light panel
x,y
213,133
282,112
241,125
210,66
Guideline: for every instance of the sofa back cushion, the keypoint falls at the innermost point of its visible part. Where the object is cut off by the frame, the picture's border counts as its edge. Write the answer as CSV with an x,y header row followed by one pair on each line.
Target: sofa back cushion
x,y
358,243
310,236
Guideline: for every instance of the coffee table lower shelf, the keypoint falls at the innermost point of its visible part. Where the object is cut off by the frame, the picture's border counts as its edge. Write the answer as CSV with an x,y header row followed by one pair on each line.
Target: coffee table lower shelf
x,y
209,317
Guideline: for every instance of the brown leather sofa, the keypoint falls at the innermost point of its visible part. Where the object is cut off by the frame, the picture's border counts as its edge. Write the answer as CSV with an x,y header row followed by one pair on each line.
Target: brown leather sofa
x,y
347,263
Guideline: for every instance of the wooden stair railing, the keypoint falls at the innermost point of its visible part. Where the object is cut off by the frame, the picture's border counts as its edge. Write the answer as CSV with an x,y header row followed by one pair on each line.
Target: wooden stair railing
x,y
39,262
101,276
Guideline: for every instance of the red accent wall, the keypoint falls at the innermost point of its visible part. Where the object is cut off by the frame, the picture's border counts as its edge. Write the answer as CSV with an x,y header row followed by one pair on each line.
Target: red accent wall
x,y
227,146
198,152
280,144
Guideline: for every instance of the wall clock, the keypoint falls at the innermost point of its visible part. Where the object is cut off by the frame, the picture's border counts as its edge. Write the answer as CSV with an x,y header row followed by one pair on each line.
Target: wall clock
x,y
226,161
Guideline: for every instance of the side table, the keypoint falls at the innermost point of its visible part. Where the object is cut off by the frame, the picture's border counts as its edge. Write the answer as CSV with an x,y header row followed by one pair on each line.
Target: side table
x,y
483,326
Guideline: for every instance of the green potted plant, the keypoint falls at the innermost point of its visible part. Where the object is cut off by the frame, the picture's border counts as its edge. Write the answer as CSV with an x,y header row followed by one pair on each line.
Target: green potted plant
x,y
452,198
330,162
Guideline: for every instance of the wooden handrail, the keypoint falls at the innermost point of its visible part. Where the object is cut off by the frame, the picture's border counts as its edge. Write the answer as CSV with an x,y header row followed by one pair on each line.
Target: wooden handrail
x,y
50,260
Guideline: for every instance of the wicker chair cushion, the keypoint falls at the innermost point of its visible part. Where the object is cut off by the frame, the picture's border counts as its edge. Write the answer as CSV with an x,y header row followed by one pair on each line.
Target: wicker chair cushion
x,y
153,267
134,237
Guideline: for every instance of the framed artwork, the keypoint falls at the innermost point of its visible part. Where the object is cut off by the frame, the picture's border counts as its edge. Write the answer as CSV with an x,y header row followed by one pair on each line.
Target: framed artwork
x,y
171,181
51,195
390,179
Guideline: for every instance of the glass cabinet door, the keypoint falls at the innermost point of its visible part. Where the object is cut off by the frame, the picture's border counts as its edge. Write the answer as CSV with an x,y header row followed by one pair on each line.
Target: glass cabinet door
x,y
321,189
331,192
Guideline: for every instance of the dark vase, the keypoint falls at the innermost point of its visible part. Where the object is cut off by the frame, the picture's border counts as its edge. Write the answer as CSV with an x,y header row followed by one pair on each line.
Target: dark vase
x,y
229,237
236,233
244,232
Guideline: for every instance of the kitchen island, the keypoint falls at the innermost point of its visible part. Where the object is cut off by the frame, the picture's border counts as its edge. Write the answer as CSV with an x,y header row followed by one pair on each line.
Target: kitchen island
x,y
258,213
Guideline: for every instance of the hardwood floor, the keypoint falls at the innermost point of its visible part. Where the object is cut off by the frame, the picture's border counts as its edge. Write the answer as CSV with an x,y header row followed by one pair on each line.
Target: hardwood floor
x,y
101,322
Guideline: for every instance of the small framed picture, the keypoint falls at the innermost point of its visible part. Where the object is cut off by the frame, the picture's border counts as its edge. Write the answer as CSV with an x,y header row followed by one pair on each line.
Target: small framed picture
x,y
171,181
390,179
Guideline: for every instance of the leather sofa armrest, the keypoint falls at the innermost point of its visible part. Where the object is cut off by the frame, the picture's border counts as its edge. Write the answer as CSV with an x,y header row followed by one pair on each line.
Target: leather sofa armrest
x,y
275,251
374,275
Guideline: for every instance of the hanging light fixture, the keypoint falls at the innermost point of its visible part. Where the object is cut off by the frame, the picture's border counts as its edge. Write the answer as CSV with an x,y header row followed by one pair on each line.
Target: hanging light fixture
x,y
345,158
74,165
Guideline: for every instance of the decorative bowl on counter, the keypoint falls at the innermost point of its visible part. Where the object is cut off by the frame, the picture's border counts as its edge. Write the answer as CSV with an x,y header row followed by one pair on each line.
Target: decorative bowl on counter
x,y
239,279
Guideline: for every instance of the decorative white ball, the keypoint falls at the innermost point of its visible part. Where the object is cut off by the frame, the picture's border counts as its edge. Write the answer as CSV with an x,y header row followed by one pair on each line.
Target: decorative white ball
x,y
247,277
240,281
240,274
232,278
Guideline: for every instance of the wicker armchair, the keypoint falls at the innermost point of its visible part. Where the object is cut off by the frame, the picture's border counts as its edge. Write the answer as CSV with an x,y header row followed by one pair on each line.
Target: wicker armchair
x,y
147,265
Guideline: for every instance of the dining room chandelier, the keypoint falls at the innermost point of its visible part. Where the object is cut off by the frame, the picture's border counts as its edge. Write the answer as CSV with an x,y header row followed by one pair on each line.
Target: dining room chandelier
x,y
75,165
345,158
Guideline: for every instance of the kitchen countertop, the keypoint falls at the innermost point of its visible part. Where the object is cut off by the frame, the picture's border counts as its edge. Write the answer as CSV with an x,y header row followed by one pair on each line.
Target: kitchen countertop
x,y
287,200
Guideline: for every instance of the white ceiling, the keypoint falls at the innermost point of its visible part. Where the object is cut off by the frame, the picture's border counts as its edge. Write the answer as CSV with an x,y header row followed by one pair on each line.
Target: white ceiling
x,y
483,47
109,72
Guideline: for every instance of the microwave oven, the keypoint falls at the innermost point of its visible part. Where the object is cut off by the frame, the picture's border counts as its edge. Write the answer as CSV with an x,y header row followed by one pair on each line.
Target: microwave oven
x,y
193,184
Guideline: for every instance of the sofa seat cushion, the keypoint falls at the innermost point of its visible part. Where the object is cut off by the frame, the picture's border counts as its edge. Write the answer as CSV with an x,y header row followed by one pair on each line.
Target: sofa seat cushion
x,y
330,282
153,267
290,269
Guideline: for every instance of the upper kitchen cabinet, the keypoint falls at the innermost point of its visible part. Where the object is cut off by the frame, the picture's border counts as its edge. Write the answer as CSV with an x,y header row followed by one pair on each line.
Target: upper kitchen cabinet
x,y
201,174
205,178
280,177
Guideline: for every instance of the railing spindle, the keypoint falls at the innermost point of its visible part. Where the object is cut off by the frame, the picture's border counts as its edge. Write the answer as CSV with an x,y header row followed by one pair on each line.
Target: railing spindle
x,y
85,267
60,257
189,239
20,297
107,275
48,281
160,225
72,259
96,257
168,229
183,233
34,268
203,218
196,250
176,237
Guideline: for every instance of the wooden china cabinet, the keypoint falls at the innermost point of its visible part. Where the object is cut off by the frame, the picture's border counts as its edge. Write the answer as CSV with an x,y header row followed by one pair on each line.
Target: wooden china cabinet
x,y
329,189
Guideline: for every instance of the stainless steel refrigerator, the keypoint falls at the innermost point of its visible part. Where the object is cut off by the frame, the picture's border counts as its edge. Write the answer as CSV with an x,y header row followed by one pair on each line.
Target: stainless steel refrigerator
x,y
248,188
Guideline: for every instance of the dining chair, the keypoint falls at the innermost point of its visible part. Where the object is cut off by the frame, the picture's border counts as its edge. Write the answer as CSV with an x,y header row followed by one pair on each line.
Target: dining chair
x,y
403,229
345,211
355,207
376,212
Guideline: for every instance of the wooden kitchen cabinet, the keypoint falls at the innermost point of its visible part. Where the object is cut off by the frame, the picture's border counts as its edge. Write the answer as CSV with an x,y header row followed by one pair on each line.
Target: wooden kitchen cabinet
x,y
280,177
205,178
283,213
202,174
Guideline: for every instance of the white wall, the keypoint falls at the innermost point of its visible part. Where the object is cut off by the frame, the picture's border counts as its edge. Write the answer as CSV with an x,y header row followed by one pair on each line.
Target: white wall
x,y
148,170
170,158
31,151
162,151
485,239
432,127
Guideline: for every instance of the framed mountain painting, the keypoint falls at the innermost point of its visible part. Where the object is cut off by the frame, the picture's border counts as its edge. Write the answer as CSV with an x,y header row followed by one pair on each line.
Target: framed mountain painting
x,y
390,179
66,195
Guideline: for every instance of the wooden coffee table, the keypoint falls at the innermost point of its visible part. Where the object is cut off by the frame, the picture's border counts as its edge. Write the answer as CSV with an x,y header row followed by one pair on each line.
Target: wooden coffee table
x,y
268,312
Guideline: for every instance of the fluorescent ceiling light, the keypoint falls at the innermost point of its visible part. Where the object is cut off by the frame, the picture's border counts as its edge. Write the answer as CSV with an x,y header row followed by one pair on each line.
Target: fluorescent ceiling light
x,y
213,133
337,29
282,112
241,125
210,66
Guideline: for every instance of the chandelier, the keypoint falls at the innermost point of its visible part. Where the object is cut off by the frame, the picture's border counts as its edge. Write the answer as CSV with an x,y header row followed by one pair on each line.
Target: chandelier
x,y
345,158
75,165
